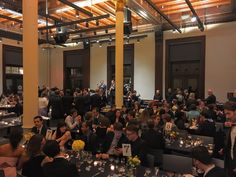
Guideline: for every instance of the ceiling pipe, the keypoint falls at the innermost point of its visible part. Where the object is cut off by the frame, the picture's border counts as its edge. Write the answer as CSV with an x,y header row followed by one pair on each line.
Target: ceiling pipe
x,y
76,7
200,24
88,30
75,22
163,15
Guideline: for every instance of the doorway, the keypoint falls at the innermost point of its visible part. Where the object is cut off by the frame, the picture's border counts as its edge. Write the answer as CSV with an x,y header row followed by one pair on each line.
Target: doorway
x,y
185,64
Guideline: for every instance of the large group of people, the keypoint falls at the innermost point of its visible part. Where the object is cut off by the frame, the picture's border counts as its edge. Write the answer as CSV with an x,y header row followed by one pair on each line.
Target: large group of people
x,y
80,117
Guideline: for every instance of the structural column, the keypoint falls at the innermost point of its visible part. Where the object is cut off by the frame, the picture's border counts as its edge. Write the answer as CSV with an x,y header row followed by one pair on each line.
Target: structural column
x,y
30,61
119,59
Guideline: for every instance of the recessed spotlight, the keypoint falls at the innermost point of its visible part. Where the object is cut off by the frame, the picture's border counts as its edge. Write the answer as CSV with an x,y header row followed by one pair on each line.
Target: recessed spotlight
x,y
193,19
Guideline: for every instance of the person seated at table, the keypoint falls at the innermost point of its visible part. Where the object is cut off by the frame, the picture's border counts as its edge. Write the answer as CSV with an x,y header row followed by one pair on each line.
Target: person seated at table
x,y
101,132
73,120
11,153
32,167
138,146
118,118
114,140
181,120
202,160
59,167
193,113
62,135
86,135
96,117
168,124
154,141
130,119
39,127
206,126
158,123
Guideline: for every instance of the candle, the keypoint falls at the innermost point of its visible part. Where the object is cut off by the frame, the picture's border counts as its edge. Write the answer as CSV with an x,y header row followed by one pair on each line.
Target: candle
x,y
112,167
95,163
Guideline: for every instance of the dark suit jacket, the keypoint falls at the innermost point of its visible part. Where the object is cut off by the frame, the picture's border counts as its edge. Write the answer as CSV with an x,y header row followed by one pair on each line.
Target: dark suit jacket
x,y
211,99
32,168
60,167
230,163
153,139
96,101
207,129
55,102
90,140
216,172
67,103
79,104
43,130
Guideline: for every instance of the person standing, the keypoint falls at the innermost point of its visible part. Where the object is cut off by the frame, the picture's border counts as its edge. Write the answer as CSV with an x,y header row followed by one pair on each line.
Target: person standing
x,y
230,147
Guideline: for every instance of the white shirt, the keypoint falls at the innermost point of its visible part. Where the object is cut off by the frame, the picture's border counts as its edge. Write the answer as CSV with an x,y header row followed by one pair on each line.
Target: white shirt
x,y
209,169
232,136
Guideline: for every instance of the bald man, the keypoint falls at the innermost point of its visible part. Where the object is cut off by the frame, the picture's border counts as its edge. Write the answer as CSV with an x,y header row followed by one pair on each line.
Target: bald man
x,y
233,98
211,99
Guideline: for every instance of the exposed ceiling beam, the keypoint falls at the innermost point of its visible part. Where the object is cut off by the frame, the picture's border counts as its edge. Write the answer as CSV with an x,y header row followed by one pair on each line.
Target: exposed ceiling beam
x,y
75,22
15,36
200,24
76,7
89,30
10,18
163,15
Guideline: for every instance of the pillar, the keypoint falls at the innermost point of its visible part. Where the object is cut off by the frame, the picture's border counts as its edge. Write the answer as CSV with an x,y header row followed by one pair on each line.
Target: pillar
x,y
119,55
30,61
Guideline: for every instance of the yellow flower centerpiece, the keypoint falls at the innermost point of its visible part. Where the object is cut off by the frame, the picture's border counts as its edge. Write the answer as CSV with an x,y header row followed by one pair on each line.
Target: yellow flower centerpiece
x,y
78,145
134,161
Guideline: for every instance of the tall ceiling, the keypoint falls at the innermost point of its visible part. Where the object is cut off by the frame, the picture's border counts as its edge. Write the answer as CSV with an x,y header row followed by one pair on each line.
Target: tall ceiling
x,y
89,18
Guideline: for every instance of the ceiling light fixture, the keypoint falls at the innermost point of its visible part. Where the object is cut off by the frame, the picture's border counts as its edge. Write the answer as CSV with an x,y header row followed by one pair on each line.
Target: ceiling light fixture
x,y
97,22
193,19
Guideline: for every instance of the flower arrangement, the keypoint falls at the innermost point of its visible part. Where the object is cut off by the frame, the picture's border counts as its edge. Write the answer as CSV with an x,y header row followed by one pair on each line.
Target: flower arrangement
x,y
78,145
133,162
28,135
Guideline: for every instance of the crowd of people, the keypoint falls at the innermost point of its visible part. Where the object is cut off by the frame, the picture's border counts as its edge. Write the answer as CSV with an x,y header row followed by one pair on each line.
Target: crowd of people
x,y
80,117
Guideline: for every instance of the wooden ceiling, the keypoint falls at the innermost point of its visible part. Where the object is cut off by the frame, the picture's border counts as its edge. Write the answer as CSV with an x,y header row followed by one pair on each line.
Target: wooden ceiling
x,y
177,11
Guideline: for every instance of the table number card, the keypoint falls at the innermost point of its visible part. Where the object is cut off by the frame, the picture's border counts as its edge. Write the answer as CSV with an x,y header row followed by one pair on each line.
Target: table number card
x,y
126,149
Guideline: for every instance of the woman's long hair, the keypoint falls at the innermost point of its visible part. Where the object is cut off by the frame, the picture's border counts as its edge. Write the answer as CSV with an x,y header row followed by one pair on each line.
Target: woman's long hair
x,y
34,145
58,132
15,137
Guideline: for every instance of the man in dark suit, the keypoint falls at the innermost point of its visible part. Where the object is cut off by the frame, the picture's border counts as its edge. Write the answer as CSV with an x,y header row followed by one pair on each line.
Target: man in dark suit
x,y
96,100
67,101
39,127
88,137
230,148
56,105
138,146
79,103
202,161
59,167
211,99
206,125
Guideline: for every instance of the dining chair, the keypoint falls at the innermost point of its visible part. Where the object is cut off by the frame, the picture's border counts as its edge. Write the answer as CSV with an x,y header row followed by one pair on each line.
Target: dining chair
x,y
218,162
177,164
